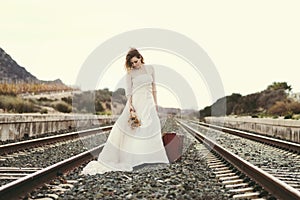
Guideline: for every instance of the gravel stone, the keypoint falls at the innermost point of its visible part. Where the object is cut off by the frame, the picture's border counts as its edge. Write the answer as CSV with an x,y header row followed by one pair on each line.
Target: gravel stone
x,y
188,178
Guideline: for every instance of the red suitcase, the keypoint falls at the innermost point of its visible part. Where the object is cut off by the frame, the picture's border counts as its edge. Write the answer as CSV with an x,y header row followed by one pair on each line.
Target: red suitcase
x,y
173,144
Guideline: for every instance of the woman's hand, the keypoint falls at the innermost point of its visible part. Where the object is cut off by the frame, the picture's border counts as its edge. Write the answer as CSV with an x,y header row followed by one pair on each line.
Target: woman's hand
x,y
131,108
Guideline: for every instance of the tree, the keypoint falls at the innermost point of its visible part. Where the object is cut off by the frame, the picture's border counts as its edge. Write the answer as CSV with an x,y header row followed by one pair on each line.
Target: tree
x,y
279,85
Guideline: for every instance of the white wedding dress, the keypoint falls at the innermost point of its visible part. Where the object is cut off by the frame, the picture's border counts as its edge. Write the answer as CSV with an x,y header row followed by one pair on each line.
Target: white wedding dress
x,y
125,147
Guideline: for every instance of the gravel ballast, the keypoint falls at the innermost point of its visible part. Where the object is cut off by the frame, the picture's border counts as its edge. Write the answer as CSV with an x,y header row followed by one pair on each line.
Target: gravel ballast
x,y
188,178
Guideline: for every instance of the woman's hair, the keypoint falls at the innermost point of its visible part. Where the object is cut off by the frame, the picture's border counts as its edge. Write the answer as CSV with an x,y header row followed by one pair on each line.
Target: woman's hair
x,y
133,52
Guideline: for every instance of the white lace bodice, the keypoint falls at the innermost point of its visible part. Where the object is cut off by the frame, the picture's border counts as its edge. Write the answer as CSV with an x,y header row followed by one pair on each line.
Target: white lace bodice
x,y
138,77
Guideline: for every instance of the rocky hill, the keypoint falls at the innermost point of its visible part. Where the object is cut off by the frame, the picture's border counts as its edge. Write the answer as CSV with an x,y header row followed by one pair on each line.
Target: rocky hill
x,y
274,100
11,72
15,79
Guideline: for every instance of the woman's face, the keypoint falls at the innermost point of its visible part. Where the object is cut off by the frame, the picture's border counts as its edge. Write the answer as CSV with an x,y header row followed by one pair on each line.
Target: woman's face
x,y
135,62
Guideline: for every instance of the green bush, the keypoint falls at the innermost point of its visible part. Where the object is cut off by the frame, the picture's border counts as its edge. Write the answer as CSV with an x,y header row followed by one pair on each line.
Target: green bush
x,y
15,104
63,107
68,100
45,99
103,113
288,116
25,107
44,111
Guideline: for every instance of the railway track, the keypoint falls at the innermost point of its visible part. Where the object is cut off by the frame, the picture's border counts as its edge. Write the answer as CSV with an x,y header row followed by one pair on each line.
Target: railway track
x,y
277,157
17,146
290,146
23,158
20,187
237,184
241,178
277,182
20,180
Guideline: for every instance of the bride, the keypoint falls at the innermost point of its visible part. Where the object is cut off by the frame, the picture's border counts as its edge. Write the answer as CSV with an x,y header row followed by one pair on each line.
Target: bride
x,y
137,141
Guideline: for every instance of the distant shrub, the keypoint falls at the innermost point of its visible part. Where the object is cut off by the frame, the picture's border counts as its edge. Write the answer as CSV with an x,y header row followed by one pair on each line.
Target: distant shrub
x,y
63,107
68,100
108,105
15,104
103,113
44,111
279,108
98,106
285,108
25,107
294,107
288,116
44,99
14,89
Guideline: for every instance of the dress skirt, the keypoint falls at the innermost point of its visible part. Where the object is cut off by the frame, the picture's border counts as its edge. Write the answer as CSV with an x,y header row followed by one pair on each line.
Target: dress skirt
x,y
125,147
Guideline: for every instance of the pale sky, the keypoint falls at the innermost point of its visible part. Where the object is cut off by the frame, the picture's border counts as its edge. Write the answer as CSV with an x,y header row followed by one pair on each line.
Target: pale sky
x,y
251,43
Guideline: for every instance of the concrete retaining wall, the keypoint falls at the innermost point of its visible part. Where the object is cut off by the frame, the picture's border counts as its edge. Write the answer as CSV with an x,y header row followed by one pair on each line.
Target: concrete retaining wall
x,y
17,126
286,129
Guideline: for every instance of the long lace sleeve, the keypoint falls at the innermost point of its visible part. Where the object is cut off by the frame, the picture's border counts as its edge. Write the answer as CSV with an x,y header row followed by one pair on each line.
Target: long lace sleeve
x,y
154,91
153,77
128,86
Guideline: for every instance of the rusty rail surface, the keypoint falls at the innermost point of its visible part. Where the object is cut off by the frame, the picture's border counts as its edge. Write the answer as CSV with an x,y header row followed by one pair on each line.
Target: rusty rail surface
x,y
17,189
13,147
276,187
291,146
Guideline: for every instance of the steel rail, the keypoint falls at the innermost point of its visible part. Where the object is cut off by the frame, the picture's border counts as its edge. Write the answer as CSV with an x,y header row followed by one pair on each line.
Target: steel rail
x,y
19,188
291,146
13,147
276,187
